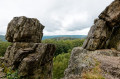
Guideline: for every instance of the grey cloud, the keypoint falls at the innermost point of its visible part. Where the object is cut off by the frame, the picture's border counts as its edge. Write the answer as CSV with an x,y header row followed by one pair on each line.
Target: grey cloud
x,y
52,25
78,26
52,13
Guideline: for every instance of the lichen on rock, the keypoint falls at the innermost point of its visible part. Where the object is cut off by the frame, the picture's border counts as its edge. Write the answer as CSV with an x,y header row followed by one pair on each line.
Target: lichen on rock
x,y
32,59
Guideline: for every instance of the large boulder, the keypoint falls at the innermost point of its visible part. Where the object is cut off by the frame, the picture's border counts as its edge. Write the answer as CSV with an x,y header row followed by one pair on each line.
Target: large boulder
x,y
23,29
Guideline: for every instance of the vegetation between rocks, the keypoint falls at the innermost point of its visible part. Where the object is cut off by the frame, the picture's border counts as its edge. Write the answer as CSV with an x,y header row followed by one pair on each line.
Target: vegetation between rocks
x,y
3,47
64,45
60,61
94,73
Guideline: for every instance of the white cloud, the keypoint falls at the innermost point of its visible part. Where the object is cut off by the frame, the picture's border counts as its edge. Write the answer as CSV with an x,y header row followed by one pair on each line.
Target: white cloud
x,y
64,32
59,16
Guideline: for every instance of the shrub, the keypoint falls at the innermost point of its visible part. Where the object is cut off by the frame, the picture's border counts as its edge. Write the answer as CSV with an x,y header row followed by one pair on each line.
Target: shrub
x,y
13,75
60,63
64,45
3,47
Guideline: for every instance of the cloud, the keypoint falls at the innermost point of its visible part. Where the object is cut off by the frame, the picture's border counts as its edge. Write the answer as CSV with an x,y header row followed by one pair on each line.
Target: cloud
x,y
58,16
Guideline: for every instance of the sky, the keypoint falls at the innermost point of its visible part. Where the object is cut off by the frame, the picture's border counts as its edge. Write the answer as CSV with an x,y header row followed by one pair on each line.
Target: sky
x,y
60,17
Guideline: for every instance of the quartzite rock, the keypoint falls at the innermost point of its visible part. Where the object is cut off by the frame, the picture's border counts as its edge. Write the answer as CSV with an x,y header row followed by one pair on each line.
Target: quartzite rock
x,y
100,56
103,29
32,59
112,14
98,35
83,60
23,29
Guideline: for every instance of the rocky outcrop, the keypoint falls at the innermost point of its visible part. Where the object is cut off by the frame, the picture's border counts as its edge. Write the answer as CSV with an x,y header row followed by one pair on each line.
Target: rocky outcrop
x,y
99,57
32,59
104,28
23,29
98,64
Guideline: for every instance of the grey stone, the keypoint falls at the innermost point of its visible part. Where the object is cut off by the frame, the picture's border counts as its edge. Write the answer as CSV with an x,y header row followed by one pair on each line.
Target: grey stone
x,y
23,29
105,31
32,59
31,63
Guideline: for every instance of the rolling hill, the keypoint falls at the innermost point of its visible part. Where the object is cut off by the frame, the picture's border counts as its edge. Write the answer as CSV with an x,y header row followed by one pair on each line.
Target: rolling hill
x,y
59,37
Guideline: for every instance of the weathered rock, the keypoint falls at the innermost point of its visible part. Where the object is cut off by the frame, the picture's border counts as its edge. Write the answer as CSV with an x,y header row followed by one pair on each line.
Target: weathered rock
x,y
32,59
23,29
112,14
97,36
78,62
39,63
104,30
89,62
114,41
83,61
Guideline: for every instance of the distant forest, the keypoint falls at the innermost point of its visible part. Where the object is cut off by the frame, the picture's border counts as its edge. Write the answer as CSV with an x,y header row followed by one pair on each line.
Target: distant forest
x,y
57,37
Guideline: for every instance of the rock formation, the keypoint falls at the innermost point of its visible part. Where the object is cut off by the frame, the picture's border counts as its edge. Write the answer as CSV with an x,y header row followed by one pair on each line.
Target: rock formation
x,y
32,59
104,27
99,57
22,29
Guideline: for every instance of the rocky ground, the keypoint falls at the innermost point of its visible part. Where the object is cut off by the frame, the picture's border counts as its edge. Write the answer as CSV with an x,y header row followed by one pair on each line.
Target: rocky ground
x,y
99,64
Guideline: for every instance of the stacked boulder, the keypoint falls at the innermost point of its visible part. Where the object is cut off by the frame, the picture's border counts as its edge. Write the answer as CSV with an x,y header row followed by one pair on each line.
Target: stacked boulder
x,y
99,57
32,59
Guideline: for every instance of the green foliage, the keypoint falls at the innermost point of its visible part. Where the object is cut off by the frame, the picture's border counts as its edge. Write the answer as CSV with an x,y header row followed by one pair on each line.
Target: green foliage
x,y
10,74
13,75
3,47
64,45
60,63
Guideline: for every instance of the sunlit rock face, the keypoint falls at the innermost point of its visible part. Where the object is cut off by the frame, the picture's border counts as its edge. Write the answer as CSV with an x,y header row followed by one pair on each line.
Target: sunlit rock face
x,y
32,59
99,57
